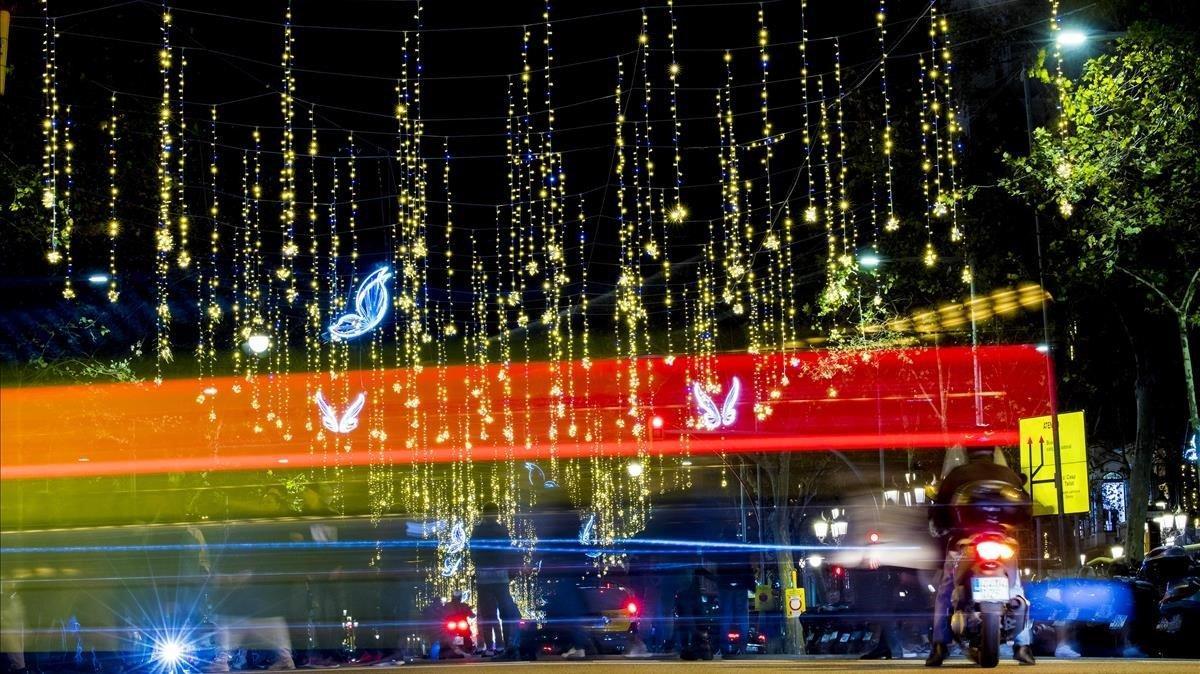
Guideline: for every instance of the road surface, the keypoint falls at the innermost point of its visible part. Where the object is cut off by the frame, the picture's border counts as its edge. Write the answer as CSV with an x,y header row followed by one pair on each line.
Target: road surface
x,y
763,666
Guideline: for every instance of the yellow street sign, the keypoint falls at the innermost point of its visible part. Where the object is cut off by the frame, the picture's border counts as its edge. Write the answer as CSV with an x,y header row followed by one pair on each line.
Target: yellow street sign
x,y
796,602
1037,463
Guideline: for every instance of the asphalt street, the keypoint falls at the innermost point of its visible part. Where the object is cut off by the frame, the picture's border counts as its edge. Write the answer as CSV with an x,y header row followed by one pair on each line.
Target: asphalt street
x,y
623,666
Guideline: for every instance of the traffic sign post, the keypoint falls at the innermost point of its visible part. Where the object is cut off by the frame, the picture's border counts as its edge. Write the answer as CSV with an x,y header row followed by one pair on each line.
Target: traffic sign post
x,y
796,602
1057,479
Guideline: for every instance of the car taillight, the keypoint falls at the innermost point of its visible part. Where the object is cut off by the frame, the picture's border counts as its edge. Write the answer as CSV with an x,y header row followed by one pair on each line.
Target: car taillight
x,y
631,608
993,550
462,624
450,624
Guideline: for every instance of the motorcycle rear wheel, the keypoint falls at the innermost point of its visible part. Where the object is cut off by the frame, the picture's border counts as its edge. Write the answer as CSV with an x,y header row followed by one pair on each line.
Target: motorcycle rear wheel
x,y
989,640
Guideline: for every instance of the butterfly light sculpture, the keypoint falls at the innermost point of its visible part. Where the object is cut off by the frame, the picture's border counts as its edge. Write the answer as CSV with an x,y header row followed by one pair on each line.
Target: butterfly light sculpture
x,y
370,304
454,550
347,421
587,535
711,417
533,467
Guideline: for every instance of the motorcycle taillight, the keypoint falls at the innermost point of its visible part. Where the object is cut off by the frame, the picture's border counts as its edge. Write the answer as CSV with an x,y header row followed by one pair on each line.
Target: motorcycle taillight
x,y
992,549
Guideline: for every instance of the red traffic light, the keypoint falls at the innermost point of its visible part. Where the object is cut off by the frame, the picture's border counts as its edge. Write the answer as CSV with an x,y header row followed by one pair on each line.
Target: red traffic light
x,y
631,608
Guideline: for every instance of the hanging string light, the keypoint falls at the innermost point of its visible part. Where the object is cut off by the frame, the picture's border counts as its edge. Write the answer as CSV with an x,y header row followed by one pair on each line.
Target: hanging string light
x,y
810,210
164,241
50,131
892,223
314,319
182,217
678,213
550,194
941,197
68,224
950,142
287,173
827,191
927,174
208,281
113,227
845,220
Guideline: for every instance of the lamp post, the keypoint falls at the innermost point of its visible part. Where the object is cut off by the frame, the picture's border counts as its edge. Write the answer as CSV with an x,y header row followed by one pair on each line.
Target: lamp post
x,y
1066,38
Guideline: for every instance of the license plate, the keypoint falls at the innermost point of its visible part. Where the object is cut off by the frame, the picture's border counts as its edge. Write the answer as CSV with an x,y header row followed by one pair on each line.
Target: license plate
x,y
458,641
989,589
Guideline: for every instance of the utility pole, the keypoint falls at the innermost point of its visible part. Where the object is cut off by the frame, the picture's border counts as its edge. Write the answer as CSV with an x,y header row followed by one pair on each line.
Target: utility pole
x,y
5,19
1051,384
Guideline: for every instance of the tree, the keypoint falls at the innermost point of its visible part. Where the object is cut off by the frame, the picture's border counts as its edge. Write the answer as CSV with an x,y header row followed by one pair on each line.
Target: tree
x,y
1123,174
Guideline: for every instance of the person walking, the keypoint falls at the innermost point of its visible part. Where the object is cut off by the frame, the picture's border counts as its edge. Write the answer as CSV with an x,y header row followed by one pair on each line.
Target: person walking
x,y
494,559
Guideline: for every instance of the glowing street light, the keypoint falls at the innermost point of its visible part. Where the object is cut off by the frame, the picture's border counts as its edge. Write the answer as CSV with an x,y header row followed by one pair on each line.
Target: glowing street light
x,y
98,279
1070,37
869,260
258,344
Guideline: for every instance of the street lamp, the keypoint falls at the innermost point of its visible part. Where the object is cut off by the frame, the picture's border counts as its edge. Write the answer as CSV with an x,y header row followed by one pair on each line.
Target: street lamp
x,y
1066,38
1070,37
258,344
821,529
869,259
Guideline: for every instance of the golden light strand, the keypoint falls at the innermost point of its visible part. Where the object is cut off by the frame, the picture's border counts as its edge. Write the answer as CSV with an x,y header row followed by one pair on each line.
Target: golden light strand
x,y
68,193
845,219
930,255
208,281
678,212
113,228
892,223
182,217
810,210
50,131
164,241
287,173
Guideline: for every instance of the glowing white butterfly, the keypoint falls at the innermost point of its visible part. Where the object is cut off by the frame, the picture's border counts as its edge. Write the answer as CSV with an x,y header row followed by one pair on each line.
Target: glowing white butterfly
x,y
546,484
587,535
711,417
370,304
454,549
348,421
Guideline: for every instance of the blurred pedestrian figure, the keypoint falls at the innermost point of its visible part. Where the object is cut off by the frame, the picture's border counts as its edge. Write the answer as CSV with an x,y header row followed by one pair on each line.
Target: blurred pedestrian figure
x,y
433,619
12,628
735,580
694,640
322,593
251,612
563,567
494,560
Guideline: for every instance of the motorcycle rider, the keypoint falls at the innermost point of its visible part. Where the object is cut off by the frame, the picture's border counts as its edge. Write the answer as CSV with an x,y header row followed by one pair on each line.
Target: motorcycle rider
x,y
981,465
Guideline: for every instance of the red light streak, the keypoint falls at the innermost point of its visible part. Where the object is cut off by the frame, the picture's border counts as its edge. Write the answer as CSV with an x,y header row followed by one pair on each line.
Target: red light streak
x,y
910,398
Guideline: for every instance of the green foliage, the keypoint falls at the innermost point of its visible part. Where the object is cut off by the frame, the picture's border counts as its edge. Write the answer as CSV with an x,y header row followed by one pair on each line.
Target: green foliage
x,y
1124,176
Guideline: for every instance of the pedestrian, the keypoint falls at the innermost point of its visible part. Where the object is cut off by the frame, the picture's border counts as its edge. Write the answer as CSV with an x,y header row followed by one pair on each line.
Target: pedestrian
x,y
735,580
494,560
563,567
251,613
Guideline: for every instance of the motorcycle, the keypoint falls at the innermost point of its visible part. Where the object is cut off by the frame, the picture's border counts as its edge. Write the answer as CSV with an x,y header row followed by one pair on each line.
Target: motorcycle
x,y
985,611
1171,569
457,633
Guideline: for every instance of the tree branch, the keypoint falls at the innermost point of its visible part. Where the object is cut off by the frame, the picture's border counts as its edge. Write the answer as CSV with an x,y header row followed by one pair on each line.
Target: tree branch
x,y
1190,294
1166,300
